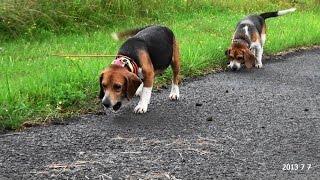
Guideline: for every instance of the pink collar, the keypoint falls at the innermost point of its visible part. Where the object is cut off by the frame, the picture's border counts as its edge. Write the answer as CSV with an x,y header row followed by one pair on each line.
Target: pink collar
x,y
125,61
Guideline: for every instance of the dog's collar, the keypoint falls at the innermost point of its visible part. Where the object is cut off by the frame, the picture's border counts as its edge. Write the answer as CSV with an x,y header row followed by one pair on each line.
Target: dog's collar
x,y
127,62
245,41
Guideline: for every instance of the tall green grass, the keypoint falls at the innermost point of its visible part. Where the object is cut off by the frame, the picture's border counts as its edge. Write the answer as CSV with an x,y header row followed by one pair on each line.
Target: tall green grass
x,y
38,18
33,18
36,86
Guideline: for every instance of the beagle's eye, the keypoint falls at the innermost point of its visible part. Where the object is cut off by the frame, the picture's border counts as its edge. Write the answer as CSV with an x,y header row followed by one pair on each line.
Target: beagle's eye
x,y
117,87
239,58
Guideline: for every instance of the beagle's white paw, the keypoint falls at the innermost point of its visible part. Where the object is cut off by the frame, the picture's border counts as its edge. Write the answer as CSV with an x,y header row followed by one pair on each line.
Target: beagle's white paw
x,y
174,94
258,65
144,100
141,108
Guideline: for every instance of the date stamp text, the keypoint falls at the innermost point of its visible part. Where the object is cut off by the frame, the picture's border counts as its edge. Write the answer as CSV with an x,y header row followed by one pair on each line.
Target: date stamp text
x,y
296,167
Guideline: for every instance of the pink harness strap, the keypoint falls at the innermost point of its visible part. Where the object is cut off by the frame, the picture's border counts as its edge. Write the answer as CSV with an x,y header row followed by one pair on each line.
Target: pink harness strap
x,y
125,61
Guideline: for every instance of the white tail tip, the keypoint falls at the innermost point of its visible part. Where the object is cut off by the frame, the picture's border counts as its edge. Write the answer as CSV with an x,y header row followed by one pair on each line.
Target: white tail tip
x,y
115,36
282,12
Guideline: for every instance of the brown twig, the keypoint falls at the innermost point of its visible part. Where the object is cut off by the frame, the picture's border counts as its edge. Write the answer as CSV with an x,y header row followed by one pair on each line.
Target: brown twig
x,y
84,55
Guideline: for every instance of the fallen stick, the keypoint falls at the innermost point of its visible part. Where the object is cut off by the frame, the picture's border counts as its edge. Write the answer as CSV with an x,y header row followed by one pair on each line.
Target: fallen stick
x,y
84,55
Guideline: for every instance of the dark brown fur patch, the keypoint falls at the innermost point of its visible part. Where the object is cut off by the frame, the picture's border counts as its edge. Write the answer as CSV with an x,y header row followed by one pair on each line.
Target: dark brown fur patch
x,y
255,37
147,68
264,29
175,64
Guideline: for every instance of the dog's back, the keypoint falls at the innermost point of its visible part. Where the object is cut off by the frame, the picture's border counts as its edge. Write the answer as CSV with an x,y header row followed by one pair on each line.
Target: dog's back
x,y
256,23
159,43
253,23
156,40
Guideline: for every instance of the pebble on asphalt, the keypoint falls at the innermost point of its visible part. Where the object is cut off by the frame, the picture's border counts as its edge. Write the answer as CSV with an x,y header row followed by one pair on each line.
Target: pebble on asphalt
x,y
210,118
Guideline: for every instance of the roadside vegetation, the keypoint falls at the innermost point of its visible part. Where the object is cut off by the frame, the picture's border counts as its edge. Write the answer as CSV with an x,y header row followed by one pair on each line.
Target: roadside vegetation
x,y
37,87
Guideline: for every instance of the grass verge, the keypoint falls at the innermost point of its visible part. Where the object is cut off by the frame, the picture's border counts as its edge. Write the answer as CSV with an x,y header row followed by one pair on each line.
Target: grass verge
x,y
38,87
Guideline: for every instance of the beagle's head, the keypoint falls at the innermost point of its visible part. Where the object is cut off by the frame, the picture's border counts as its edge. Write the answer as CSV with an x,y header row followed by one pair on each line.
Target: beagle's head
x,y
117,83
238,54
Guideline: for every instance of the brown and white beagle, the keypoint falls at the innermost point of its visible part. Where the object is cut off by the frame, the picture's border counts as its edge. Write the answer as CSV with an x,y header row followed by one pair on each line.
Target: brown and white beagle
x,y
249,39
148,52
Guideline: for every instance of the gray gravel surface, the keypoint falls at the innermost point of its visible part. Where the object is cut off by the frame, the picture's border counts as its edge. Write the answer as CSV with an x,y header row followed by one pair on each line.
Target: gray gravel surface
x,y
229,125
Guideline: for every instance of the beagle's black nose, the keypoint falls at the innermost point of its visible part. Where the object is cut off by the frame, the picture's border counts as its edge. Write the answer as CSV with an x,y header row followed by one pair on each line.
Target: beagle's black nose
x,y
234,68
106,103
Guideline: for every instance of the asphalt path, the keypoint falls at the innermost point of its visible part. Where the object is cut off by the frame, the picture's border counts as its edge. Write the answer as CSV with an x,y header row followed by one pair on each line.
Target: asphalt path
x,y
258,124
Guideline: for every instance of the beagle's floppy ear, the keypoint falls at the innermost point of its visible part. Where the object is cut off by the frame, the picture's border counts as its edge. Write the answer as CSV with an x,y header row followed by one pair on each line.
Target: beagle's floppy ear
x,y
249,58
101,94
133,82
227,52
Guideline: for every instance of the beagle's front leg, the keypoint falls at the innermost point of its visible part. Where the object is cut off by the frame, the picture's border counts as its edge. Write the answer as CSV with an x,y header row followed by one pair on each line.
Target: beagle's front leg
x,y
148,74
259,57
144,101
257,50
139,90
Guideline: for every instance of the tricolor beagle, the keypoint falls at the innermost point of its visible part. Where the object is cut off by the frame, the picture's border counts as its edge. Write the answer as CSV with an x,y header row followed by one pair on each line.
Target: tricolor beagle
x,y
248,40
148,52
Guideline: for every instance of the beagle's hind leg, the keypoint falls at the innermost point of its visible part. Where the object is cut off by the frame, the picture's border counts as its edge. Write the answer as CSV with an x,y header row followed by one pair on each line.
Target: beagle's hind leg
x,y
175,65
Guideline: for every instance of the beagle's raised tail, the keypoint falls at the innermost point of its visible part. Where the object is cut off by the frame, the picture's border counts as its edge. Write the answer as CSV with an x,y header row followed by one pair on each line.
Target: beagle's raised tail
x,y
277,13
129,33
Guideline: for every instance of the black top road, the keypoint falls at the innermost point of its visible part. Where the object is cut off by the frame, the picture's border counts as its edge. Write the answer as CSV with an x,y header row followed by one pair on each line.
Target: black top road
x,y
258,124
